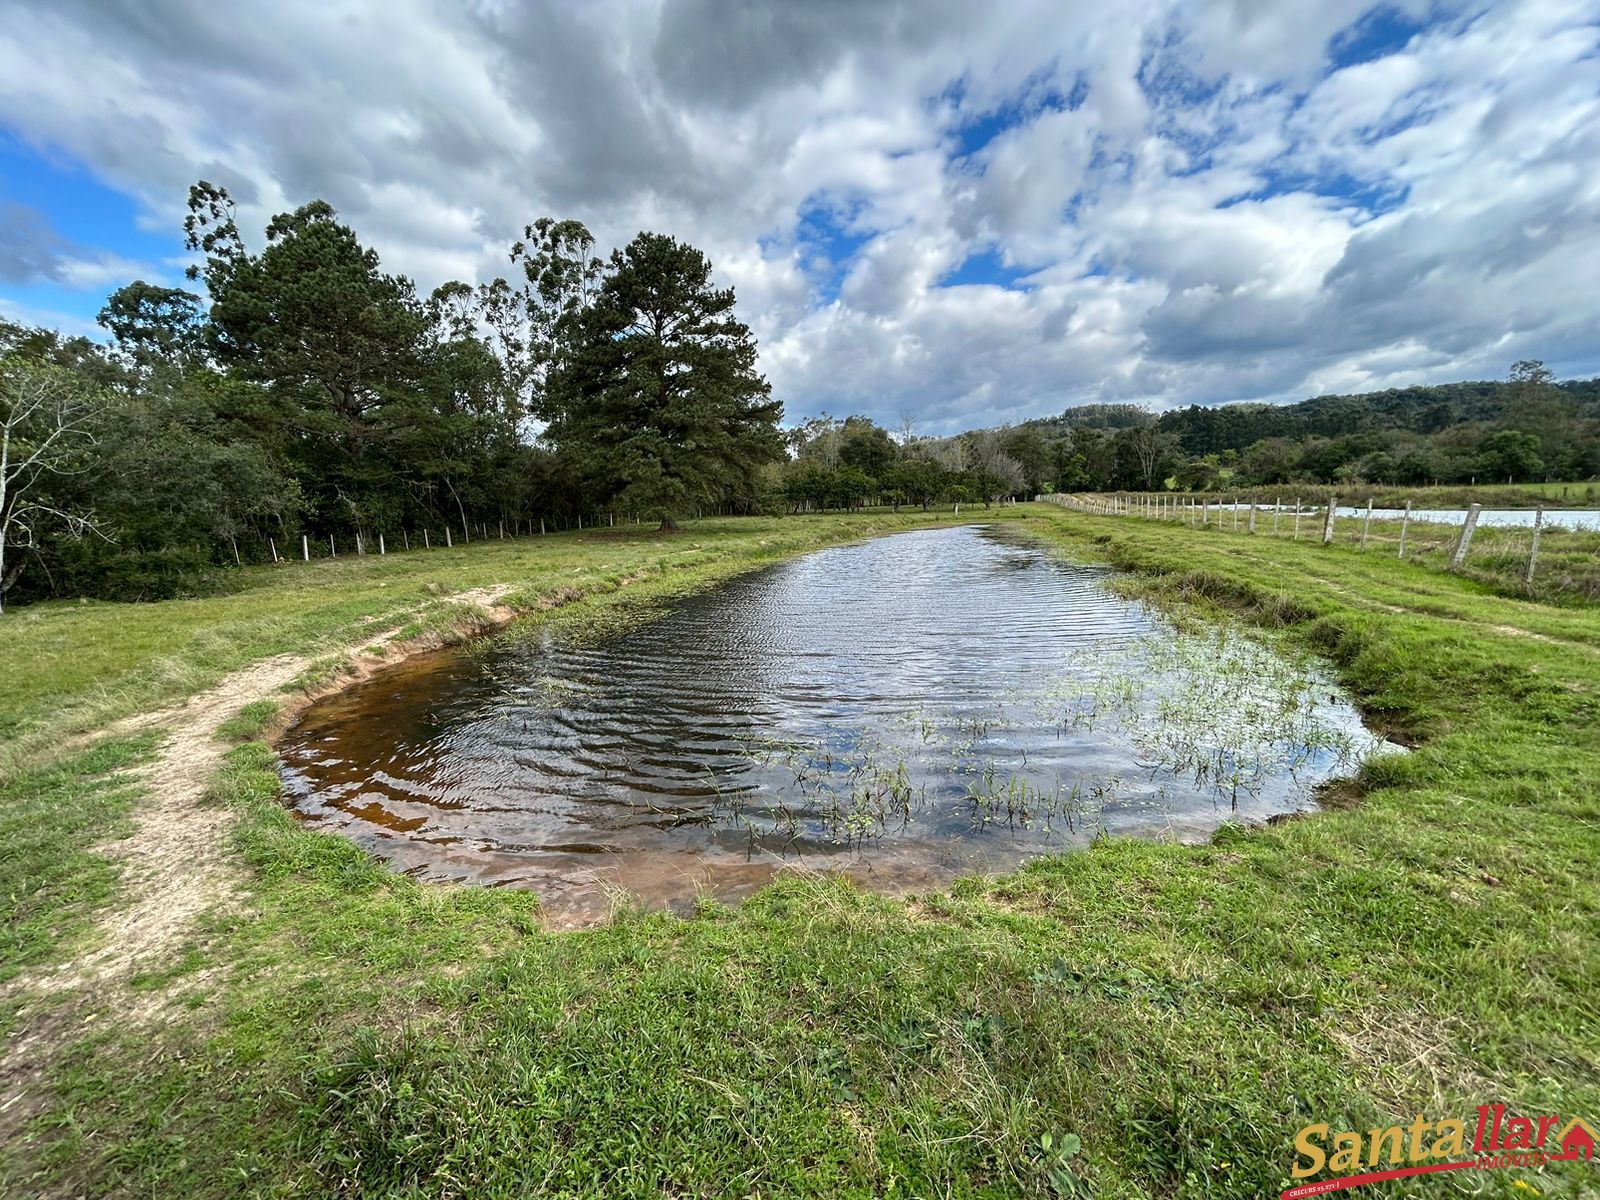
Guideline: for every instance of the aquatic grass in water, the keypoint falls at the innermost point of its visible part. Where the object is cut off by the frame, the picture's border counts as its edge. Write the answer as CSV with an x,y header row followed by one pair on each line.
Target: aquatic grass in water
x,y
1223,710
1215,711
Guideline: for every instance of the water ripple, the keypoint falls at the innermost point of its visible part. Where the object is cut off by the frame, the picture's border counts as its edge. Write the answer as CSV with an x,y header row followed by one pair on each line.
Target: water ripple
x,y
903,709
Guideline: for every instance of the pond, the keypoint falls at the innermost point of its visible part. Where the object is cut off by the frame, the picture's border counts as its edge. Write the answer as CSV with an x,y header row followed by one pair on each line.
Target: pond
x,y
903,710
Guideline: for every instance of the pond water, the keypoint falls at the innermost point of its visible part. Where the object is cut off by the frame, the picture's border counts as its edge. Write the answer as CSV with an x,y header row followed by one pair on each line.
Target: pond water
x,y
903,710
1564,518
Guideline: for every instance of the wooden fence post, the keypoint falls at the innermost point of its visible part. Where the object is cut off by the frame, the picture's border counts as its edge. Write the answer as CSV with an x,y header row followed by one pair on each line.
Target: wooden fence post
x,y
1297,518
1465,540
1366,524
1327,526
1252,525
332,553
1533,551
1277,511
1405,520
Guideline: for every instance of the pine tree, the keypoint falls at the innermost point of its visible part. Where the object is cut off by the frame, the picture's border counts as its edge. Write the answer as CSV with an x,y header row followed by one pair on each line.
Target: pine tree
x,y
655,393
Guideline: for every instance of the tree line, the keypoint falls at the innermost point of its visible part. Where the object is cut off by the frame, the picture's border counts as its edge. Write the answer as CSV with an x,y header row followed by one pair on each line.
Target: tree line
x,y
303,388
1526,428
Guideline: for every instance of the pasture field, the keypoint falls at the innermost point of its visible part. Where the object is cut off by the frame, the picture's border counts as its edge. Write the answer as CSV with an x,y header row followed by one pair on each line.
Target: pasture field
x,y
1135,1019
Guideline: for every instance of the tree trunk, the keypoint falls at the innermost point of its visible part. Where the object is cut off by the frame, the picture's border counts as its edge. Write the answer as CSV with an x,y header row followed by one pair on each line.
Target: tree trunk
x,y
466,532
668,525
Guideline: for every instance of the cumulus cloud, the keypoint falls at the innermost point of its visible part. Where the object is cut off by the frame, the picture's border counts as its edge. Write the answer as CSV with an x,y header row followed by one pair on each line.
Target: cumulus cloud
x,y
1171,203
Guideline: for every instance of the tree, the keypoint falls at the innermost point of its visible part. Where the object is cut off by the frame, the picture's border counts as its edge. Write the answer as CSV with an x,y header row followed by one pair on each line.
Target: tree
x,y
1538,407
1027,447
867,447
315,318
1271,460
656,391
47,416
993,473
1151,450
560,277
818,442
154,324
918,480
1511,456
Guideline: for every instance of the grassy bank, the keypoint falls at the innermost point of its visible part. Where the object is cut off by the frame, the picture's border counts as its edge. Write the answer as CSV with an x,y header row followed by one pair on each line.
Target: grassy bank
x,y
1567,569
1131,1020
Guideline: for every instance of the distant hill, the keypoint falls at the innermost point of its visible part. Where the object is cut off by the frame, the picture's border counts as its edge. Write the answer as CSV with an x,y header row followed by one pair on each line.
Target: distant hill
x,y
1215,428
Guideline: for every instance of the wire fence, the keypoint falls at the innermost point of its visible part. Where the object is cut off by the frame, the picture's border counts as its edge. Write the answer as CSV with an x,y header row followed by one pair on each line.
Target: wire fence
x,y
255,548
1542,557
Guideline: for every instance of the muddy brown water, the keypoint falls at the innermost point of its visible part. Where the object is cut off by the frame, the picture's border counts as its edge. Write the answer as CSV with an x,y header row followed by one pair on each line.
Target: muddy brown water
x,y
904,710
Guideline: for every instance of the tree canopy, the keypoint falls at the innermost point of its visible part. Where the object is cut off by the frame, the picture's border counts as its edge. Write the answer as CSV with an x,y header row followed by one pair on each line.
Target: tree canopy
x,y
303,390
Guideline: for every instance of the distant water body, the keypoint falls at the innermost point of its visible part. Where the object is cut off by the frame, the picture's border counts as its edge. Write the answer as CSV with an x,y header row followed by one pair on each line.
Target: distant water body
x,y
1565,518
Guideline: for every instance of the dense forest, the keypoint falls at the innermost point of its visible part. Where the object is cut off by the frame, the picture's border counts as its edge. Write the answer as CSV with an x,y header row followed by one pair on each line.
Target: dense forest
x,y
303,392
1524,429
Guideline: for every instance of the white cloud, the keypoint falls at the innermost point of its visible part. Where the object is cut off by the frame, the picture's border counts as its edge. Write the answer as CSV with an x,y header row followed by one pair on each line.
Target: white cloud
x,y
1217,214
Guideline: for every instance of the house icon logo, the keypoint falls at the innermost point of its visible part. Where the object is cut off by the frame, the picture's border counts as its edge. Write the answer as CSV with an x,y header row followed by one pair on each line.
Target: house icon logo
x,y
1577,1140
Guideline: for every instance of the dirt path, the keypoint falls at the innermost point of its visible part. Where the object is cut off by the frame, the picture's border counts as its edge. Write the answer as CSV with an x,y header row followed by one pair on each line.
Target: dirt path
x,y
176,863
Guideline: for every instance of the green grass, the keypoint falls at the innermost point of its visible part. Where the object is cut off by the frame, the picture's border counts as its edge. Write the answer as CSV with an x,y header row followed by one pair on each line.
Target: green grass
x,y
1131,1020
51,881
1566,571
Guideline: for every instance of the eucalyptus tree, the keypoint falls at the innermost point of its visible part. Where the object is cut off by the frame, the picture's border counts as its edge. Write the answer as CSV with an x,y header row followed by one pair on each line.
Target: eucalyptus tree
x,y
48,417
559,277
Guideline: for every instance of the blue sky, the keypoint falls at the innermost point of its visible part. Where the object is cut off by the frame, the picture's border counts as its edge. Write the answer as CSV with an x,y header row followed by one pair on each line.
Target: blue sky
x,y
931,210
72,218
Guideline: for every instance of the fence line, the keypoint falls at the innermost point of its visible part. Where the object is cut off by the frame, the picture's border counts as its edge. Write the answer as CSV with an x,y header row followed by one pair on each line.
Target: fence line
x,y
263,548
1195,512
